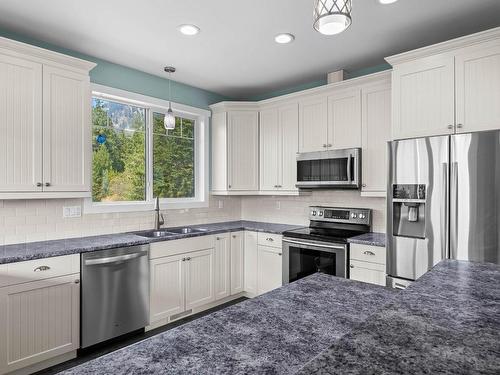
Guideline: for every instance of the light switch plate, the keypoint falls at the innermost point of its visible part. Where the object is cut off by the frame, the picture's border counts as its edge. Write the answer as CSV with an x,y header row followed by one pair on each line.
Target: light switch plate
x,y
72,211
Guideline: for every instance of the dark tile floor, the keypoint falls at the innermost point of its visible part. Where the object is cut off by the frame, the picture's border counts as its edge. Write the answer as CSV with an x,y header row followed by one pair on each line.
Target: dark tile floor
x,y
108,347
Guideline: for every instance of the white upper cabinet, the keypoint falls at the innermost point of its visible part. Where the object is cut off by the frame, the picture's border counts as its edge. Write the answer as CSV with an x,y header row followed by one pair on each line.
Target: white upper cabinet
x,y
235,149
66,130
478,87
45,122
279,130
423,97
376,131
313,124
447,88
20,125
344,119
243,147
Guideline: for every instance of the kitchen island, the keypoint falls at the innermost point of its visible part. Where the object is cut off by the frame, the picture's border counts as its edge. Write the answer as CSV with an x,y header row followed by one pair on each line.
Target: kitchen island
x,y
447,322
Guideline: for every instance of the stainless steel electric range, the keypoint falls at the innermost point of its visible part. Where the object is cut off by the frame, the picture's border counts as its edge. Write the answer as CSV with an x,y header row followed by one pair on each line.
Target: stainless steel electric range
x,y
323,246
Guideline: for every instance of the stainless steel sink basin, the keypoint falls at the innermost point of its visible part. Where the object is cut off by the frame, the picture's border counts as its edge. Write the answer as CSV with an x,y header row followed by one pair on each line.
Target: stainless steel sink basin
x,y
186,230
155,233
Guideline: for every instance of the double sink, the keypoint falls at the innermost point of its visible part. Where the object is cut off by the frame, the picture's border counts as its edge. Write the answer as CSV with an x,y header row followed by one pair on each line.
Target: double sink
x,y
170,232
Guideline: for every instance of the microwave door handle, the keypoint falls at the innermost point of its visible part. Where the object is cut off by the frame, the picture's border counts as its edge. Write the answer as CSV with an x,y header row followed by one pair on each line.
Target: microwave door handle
x,y
349,160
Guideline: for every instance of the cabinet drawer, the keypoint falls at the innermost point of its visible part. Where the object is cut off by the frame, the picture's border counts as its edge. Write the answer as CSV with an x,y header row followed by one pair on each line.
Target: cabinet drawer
x,y
174,247
39,269
367,272
269,239
364,253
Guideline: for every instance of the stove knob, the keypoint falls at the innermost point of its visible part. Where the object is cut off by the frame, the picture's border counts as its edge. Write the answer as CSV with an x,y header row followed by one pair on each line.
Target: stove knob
x,y
321,213
354,215
314,213
362,216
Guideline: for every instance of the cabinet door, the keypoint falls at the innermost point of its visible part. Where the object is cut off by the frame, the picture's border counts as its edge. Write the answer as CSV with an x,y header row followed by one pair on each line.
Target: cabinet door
x,y
344,120
20,125
199,266
38,320
219,152
367,272
376,132
222,258
269,150
478,88
243,150
237,263
313,124
269,269
66,130
166,287
250,253
423,97
288,145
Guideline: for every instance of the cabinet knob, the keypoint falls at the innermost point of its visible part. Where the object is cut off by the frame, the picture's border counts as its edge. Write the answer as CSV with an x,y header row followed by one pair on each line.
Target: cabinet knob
x,y
324,145
450,127
351,266
38,184
188,258
460,126
229,186
280,254
183,259
364,185
77,281
234,236
47,184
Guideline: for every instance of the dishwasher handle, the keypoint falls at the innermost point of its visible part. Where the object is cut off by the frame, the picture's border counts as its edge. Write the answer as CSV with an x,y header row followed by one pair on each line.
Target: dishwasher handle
x,y
114,259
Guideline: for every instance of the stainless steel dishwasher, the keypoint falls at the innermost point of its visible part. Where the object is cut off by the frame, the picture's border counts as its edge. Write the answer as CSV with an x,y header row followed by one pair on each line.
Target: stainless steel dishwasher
x,y
115,293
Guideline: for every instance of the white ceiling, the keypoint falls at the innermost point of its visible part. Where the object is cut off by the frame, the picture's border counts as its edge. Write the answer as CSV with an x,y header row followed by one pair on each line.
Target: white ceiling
x,y
235,53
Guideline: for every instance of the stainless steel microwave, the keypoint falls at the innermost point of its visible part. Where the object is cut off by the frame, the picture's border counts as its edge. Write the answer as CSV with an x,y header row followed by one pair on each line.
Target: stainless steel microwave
x,y
329,169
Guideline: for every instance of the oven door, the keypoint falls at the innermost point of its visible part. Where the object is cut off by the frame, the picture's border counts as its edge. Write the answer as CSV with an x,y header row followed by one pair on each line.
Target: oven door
x,y
336,168
302,258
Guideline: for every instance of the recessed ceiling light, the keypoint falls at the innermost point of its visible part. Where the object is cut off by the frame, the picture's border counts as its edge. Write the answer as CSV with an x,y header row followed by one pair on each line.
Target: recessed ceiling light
x,y
189,29
385,2
284,38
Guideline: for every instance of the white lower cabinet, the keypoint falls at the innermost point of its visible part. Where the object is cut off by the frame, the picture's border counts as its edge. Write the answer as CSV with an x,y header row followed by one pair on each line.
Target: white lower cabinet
x,y
222,260
237,262
199,273
250,263
269,269
39,320
367,264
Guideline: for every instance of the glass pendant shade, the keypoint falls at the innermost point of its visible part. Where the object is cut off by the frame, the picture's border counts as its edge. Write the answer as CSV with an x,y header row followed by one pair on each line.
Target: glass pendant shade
x,y
332,16
169,120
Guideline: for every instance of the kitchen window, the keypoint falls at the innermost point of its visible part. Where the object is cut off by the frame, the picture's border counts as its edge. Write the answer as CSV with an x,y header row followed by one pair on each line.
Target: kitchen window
x,y
134,158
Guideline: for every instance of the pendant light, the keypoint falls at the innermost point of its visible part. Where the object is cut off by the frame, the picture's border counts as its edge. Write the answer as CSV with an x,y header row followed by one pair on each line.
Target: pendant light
x,y
332,16
169,119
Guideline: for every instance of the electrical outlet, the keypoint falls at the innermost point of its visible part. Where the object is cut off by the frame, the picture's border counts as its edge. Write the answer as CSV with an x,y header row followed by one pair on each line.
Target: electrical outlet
x,y
221,204
278,205
72,211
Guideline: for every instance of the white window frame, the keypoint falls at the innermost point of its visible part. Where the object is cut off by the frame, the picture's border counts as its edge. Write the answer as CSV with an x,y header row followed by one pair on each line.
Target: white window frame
x,y
201,162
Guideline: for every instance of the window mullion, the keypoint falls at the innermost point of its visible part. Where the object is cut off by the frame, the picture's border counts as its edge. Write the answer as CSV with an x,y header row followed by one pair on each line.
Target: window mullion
x,y
149,156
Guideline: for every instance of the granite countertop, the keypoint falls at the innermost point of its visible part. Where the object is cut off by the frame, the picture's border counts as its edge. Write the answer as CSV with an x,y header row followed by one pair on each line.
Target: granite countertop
x,y
448,322
371,239
275,333
46,249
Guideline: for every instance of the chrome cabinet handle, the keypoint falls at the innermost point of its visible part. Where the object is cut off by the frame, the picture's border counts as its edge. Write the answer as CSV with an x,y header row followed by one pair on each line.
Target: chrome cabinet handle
x,y
229,186
324,145
351,266
451,127
280,254
47,184
188,258
269,239
41,268
369,253
217,238
234,236
77,281
38,184
460,126
364,185
183,259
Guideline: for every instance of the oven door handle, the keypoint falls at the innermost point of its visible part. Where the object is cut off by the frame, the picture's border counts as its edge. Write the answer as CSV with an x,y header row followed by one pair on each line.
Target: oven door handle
x,y
314,244
349,161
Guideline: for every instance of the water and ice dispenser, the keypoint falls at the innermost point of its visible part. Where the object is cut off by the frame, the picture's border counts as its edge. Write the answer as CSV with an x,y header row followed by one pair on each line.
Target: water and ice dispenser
x,y
409,210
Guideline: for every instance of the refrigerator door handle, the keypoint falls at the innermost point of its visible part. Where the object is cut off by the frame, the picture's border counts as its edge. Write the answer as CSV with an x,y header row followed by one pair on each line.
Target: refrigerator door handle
x,y
454,210
444,211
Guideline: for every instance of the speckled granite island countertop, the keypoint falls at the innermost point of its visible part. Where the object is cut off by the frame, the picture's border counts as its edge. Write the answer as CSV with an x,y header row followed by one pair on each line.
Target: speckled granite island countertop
x,y
276,333
448,322
371,239
46,249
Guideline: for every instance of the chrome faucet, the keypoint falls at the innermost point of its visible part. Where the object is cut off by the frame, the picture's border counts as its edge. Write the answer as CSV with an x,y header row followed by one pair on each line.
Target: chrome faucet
x,y
159,220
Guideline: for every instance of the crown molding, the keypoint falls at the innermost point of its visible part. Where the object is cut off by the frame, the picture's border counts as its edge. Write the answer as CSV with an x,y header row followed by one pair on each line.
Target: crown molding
x,y
24,50
443,47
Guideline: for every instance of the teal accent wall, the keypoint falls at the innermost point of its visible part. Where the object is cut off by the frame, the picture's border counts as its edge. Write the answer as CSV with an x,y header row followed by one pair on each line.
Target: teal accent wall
x,y
322,82
124,78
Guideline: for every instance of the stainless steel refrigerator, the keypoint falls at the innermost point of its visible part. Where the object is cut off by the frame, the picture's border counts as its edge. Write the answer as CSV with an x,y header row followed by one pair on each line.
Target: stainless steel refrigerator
x,y
443,202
